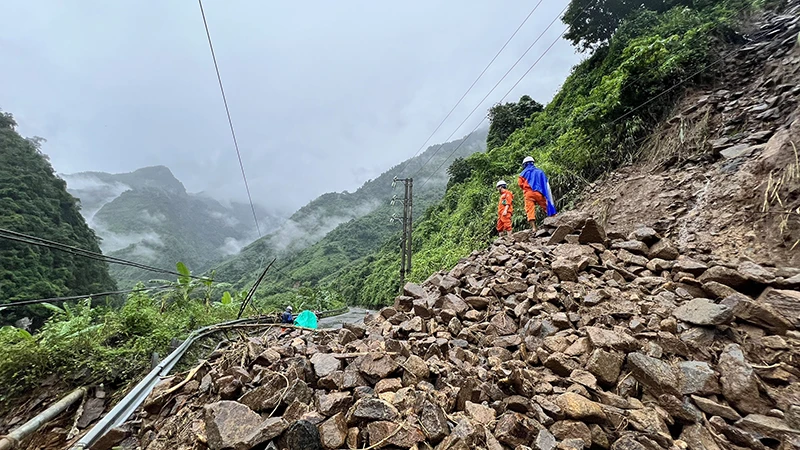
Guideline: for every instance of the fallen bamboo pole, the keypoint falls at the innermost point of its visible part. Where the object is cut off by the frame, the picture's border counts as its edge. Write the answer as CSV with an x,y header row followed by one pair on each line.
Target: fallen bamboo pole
x,y
13,439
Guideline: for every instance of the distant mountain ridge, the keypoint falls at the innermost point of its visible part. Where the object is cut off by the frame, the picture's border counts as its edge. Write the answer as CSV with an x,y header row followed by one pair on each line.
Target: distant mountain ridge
x,y
147,216
335,230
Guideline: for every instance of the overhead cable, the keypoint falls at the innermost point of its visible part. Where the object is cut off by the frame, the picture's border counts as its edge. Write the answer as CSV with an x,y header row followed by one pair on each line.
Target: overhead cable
x,y
230,122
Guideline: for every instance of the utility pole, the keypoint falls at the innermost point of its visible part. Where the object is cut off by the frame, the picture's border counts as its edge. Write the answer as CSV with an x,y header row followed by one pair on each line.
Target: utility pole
x,y
405,243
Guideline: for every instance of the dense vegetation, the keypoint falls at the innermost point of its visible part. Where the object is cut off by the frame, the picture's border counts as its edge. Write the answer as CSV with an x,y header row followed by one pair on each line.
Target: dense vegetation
x,y
593,125
34,201
340,262
147,216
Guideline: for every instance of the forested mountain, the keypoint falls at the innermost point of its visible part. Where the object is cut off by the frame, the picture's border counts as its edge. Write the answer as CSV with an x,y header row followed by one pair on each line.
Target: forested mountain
x,y
335,232
147,216
34,201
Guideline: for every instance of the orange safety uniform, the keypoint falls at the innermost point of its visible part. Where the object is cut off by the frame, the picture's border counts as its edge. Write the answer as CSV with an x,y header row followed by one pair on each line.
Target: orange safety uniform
x,y
532,198
504,220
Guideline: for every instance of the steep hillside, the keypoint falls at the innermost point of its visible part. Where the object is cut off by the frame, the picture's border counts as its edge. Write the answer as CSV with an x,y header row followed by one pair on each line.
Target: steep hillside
x,y
148,216
337,229
34,201
607,111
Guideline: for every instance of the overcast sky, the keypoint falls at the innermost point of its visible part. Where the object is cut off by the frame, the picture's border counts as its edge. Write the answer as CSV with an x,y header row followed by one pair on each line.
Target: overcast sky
x,y
324,94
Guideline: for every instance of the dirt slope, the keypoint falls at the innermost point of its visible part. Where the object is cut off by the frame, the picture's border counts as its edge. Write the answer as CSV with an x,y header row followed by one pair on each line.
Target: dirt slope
x,y
722,176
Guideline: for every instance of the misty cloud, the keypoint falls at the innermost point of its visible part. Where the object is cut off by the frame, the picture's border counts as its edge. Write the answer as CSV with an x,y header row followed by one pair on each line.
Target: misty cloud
x,y
323,96
298,234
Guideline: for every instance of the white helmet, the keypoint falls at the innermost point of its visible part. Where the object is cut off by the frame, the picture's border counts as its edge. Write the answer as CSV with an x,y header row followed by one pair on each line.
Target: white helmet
x,y
528,159
501,183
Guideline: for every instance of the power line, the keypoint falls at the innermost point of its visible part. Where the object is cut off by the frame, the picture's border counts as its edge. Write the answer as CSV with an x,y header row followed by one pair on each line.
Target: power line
x,y
230,122
488,94
472,85
650,100
12,304
33,240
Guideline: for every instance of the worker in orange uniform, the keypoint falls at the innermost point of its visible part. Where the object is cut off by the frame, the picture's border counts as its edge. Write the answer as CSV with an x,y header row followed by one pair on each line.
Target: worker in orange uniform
x,y
505,207
536,188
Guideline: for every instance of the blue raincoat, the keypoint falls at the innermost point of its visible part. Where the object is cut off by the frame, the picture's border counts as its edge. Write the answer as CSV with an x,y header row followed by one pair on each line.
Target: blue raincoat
x,y
537,180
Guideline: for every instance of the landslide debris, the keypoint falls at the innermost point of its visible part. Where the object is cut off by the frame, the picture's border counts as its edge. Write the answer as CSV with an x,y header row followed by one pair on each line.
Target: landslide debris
x,y
618,342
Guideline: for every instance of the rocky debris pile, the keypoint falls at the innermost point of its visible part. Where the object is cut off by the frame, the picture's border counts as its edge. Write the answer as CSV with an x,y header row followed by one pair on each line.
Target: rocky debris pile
x,y
602,341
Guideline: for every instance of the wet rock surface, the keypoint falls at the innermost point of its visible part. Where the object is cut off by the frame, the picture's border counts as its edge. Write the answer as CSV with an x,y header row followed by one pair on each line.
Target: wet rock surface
x,y
514,356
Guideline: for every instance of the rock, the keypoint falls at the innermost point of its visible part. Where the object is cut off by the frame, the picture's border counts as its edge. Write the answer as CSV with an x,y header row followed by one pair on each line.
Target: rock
x,y
111,439
736,151
514,429
232,425
739,383
690,266
434,422
578,407
592,233
724,275
544,441
376,365
698,437
302,435
477,302
503,324
767,427
644,234
388,385
601,338
479,413
559,234
512,287
565,270
701,311
784,302
570,429
605,365
664,250
374,409
656,375
414,290
635,247
715,409
718,290
697,377
760,314
571,444
325,364
92,410
400,434
334,402
756,273
333,432
628,443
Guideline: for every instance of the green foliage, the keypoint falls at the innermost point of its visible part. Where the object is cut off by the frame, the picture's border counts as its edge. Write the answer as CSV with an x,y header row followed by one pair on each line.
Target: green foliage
x,y
97,344
508,118
34,201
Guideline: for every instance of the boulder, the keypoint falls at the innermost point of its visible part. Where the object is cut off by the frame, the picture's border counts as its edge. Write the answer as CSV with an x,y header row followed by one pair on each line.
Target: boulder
x,y
655,375
374,409
784,302
701,311
578,407
592,233
333,432
739,381
232,425
664,250
325,363
724,275
401,434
